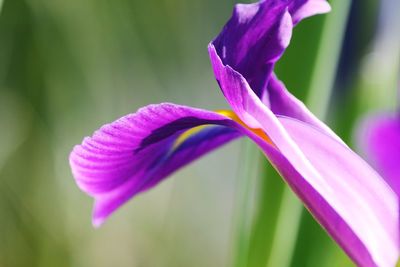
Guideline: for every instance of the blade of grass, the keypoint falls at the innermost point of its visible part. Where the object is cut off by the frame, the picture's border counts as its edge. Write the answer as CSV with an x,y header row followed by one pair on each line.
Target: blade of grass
x,y
380,72
249,167
269,194
328,55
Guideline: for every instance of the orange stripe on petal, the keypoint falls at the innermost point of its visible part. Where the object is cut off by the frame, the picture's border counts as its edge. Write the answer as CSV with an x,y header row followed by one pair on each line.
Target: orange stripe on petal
x,y
232,115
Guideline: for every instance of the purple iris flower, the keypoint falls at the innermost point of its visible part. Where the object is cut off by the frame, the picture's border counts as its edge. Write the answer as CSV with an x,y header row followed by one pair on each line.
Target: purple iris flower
x,y
136,152
380,137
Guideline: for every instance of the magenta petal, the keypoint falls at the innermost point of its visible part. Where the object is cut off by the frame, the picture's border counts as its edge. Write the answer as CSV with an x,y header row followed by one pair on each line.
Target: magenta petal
x,y
307,8
139,150
360,199
355,204
381,141
282,102
234,87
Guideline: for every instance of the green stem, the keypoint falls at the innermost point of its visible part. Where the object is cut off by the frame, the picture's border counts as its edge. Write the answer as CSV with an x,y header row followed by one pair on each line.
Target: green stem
x,y
328,55
286,231
378,85
244,201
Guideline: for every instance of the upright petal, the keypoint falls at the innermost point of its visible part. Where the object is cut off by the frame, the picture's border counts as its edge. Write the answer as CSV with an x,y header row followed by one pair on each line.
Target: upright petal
x,y
307,8
283,103
257,34
381,141
139,150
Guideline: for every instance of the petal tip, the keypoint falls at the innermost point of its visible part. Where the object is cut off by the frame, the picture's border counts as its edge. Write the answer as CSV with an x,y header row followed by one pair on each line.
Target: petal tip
x,y
311,8
245,12
99,214
285,29
97,222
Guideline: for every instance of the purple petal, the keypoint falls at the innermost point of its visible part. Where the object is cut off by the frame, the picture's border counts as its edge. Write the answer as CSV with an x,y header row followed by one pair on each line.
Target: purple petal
x,y
381,141
139,150
307,8
363,211
282,102
257,34
348,198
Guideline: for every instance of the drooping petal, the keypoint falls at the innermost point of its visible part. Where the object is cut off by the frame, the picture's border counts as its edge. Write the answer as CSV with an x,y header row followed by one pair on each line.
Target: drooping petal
x,y
348,198
139,150
381,141
257,34
354,191
352,196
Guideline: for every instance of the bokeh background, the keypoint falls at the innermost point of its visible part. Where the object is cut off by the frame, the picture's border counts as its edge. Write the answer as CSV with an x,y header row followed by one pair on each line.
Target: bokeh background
x,y
67,67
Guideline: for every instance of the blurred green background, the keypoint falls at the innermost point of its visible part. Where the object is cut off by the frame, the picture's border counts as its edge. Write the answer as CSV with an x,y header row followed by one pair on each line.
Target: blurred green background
x,y
67,67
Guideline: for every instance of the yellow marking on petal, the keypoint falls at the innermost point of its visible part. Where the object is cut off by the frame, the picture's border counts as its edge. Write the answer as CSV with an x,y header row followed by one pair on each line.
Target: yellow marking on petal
x,y
259,132
187,134
227,113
